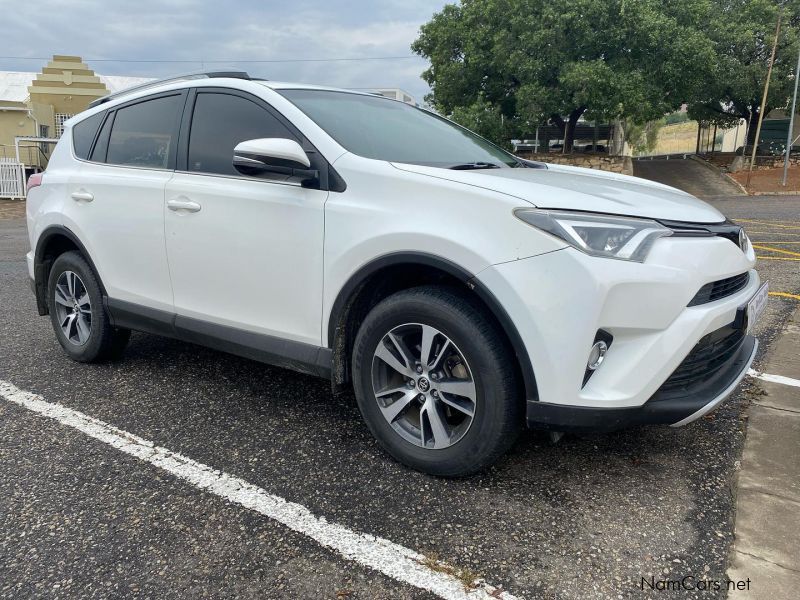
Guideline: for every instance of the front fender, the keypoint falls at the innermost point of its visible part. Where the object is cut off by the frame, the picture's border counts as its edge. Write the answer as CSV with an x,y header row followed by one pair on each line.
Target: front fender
x,y
387,210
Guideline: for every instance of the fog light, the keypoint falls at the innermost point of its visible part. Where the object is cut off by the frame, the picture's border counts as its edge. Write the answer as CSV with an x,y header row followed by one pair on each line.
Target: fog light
x,y
596,355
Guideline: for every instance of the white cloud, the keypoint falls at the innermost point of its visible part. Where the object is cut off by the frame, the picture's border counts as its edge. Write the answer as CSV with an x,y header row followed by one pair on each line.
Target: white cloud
x,y
244,30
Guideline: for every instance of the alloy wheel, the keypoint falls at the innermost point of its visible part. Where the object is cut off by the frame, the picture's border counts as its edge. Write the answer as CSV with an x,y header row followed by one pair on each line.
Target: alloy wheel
x,y
73,308
424,386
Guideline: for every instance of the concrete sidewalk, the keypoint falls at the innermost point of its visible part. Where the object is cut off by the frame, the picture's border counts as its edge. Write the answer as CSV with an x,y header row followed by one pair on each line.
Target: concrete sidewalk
x,y
767,545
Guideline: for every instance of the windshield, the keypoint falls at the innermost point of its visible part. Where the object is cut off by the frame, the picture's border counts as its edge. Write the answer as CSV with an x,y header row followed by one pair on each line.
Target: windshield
x,y
384,129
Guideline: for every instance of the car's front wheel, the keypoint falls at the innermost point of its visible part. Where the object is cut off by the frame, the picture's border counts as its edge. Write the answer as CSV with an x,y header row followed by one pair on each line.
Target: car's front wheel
x,y
436,382
79,319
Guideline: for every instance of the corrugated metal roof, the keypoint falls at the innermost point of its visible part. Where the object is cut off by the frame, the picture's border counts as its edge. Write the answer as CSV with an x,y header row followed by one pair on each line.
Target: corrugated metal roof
x,y
14,84
117,83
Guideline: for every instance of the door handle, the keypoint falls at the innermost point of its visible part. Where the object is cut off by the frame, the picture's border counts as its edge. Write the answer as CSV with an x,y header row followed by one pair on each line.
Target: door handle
x,y
183,204
82,196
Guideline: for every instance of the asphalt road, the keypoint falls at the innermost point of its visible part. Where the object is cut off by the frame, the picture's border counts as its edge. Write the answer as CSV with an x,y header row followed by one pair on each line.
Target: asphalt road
x,y
585,518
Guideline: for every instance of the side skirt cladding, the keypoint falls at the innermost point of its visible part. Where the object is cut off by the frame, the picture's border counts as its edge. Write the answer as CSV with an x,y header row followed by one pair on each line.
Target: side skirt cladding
x,y
304,358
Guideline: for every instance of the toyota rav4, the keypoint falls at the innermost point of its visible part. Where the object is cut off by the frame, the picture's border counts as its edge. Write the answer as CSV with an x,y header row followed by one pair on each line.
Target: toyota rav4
x,y
462,292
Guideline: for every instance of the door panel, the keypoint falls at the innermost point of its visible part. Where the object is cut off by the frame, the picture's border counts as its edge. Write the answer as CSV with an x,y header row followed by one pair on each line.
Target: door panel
x,y
122,227
245,252
250,257
117,209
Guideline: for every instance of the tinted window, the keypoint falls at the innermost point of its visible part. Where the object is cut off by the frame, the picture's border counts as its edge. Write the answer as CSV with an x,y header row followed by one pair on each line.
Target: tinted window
x,y
83,134
101,145
376,127
219,122
144,134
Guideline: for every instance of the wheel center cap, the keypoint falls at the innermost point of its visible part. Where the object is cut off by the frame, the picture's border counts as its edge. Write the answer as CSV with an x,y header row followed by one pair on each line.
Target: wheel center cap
x,y
423,384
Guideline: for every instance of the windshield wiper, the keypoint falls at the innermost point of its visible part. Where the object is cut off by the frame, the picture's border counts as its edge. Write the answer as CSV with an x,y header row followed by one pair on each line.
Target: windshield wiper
x,y
473,166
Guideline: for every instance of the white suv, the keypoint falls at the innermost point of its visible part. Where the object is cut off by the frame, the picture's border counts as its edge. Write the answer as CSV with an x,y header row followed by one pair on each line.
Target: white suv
x,y
461,291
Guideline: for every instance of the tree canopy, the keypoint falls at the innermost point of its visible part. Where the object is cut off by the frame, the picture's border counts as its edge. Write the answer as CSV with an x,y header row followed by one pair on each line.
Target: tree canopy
x,y
743,33
502,67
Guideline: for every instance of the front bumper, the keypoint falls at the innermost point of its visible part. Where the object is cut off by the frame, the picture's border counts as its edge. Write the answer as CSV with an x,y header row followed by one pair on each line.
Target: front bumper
x,y
662,409
558,302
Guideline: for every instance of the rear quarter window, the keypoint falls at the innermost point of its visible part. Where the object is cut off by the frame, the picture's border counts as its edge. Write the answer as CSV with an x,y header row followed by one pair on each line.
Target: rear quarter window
x,y
83,134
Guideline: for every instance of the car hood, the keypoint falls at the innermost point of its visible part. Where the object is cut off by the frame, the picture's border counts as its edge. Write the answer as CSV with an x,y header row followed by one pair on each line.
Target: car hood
x,y
574,188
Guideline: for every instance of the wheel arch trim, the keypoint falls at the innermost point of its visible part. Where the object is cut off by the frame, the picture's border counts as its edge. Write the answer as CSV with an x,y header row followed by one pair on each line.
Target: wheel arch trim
x,y
353,284
40,269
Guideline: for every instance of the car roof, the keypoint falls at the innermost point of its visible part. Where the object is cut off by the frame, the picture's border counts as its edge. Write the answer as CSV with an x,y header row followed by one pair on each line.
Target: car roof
x,y
231,79
288,85
218,78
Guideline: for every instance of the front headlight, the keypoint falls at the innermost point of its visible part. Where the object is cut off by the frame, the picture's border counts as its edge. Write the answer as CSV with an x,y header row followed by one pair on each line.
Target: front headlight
x,y
744,241
623,238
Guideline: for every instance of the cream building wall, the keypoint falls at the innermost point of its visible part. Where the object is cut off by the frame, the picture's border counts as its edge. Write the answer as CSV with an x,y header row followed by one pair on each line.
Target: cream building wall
x,y
14,123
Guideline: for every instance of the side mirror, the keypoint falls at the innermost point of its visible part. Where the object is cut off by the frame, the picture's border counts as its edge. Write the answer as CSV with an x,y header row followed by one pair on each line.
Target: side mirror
x,y
274,155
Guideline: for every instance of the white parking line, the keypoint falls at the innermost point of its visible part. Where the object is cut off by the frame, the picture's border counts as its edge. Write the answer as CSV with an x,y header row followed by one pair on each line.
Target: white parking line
x,y
398,562
774,378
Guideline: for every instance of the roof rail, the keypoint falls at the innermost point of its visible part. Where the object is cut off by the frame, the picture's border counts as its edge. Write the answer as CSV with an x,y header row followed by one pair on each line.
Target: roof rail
x,y
157,82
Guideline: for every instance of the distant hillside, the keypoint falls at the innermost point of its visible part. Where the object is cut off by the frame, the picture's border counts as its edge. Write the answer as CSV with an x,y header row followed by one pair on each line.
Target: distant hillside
x,y
674,139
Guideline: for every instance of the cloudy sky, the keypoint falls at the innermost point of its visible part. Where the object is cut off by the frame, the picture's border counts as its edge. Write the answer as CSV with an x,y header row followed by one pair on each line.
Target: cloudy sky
x,y
241,30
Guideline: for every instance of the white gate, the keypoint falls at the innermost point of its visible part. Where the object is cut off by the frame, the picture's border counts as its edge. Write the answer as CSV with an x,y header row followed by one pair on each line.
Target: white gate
x,y
12,178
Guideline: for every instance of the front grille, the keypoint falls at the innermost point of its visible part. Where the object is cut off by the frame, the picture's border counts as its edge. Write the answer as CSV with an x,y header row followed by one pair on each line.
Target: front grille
x,y
728,230
720,289
706,358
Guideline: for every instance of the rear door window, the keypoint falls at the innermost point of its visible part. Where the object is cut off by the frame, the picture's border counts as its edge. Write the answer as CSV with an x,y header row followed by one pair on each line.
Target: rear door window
x,y
144,134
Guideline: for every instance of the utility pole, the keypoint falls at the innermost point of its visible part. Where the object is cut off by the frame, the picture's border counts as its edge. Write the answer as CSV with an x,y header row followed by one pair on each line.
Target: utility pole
x,y
790,135
764,98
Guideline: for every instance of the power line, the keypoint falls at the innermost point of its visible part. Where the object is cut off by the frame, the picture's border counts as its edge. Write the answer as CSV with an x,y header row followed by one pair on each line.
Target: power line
x,y
217,61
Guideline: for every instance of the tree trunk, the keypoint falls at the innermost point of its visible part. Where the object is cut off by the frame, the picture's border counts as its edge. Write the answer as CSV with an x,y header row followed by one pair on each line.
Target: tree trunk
x,y
559,122
569,133
699,133
752,119
566,127
714,140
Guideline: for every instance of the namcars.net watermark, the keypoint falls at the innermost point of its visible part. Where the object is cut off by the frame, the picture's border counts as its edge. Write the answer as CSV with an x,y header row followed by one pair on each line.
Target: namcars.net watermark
x,y
690,582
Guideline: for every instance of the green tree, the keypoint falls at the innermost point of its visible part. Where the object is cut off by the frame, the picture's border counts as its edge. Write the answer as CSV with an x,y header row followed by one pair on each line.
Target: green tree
x,y
643,138
676,118
486,120
743,33
537,61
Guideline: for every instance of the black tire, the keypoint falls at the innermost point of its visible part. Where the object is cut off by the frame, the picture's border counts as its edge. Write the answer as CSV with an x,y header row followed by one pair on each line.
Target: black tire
x,y
104,342
498,413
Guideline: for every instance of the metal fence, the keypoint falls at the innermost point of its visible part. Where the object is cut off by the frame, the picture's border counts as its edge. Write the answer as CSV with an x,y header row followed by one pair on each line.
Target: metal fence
x,y
12,178
30,155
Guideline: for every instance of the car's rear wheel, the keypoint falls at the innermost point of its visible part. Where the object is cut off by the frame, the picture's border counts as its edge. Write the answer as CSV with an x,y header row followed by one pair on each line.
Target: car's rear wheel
x,y
436,382
79,319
